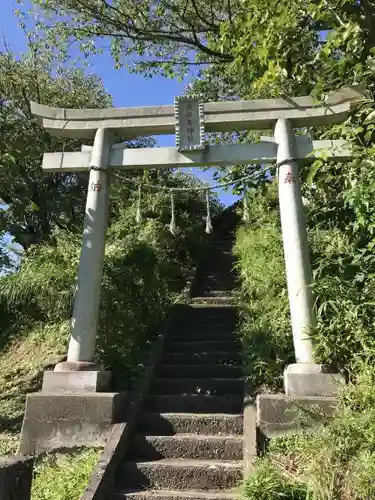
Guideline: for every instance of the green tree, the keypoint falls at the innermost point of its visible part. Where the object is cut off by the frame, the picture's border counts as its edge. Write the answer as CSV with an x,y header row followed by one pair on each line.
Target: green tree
x,y
275,46
35,204
164,34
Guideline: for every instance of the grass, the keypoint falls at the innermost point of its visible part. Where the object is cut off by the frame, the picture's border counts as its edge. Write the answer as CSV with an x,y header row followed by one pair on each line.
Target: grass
x,y
63,477
269,482
21,369
265,321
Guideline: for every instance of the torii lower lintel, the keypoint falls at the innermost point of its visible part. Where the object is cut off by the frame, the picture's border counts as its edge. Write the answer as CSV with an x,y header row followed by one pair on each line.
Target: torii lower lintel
x,y
217,155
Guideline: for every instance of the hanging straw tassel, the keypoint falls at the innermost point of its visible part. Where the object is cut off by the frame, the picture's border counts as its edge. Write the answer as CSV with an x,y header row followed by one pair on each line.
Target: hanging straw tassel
x,y
209,228
172,225
138,217
246,214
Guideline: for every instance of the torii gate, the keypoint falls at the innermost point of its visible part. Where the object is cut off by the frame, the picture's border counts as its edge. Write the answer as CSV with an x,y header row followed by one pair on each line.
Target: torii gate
x,y
189,119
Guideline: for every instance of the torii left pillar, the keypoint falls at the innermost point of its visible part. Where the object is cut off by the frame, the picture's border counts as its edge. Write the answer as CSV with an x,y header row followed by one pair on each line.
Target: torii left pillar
x,y
80,372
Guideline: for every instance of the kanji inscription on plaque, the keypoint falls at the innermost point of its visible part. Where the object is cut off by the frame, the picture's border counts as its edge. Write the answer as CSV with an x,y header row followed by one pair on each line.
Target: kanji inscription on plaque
x,y
189,116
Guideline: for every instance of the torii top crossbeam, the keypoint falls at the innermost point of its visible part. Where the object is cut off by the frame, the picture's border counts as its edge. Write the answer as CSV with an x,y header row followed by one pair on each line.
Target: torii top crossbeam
x,y
218,117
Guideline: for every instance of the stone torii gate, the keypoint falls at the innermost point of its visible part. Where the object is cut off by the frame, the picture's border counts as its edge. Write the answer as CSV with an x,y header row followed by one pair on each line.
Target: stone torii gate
x,y
189,119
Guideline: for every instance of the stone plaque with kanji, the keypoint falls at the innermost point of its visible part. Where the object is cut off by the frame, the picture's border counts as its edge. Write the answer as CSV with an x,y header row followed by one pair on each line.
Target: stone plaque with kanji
x,y
189,124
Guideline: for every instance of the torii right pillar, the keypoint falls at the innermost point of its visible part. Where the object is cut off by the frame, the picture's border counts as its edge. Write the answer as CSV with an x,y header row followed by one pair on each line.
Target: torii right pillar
x,y
304,378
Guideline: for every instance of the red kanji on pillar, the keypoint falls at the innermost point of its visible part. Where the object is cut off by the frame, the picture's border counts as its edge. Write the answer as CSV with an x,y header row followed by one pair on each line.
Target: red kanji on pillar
x,y
289,179
96,186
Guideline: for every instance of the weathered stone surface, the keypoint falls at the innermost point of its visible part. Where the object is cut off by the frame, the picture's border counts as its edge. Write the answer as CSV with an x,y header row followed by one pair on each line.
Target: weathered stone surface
x,y
202,358
212,386
182,474
201,371
198,346
227,300
249,431
222,333
102,479
303,379
16,477
75,381
64,420
278,414
193,446
200,448
219,117
156,424
194,403
176,495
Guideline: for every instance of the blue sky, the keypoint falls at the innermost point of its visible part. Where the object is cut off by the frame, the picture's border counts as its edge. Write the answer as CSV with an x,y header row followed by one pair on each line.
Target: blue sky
x,y
126,89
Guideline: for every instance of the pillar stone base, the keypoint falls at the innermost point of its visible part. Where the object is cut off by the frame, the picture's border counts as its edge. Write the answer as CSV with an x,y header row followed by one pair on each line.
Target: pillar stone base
x,y
280,415
80,376
78,366
69,420
305,379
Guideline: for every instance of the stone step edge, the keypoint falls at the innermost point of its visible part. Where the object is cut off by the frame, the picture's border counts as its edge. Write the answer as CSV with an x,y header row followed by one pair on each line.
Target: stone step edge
x,y
197,305
195,415
198,379
193,437
178,494
208,367
183,343
187,462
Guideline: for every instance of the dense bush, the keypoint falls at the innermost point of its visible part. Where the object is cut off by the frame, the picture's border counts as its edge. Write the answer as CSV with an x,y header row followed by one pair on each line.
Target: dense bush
x,y
265,322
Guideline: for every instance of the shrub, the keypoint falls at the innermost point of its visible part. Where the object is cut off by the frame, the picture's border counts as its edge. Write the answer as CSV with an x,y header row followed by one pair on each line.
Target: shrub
x,y
265,323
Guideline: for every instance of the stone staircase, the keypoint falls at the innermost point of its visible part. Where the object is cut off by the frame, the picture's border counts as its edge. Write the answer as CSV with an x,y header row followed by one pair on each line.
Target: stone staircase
x,y
189,440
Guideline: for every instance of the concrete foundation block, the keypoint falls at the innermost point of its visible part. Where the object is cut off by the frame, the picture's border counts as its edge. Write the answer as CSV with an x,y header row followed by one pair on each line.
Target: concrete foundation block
x,y
303,379
278,414
249,431
16,475
63,420
75,381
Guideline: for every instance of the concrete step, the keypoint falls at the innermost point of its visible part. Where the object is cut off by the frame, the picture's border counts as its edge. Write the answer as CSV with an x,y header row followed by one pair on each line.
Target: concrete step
x,y
207,312
203,288
218,283
194,403
189,446
214,300
210,285
203,346
222,268
204,304
228,328
223,333
207,292
181,474
213,386
169,424
175,495
208,358
219,312
225,275
200,371
206,323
